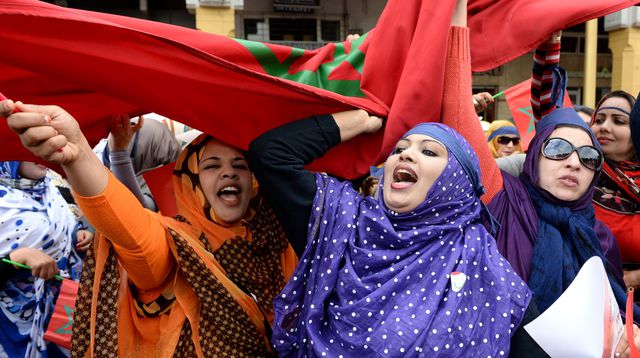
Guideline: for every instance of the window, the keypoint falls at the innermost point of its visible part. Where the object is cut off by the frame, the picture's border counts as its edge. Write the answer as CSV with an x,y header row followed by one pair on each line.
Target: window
x,y
330,30
601,91
575,94
573,39
250,27
290,29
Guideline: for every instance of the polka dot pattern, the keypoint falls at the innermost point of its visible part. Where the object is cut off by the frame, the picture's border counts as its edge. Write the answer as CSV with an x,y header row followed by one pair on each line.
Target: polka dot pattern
x,y
373,282
33,214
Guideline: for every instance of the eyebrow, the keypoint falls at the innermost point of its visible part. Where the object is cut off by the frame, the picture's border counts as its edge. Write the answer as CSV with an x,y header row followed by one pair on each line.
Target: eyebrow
x,y
438,144
423,141
235,159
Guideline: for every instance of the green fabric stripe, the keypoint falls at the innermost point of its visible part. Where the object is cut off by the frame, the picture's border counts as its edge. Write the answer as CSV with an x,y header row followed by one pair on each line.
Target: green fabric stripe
x,y
317,78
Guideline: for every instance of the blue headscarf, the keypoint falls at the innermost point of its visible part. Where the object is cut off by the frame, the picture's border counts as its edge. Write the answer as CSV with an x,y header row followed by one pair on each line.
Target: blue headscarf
x,y
565,233
33,214
375,282
502,131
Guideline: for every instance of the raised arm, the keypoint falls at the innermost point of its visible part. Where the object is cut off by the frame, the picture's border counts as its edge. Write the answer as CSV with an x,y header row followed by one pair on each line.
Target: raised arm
x,y
278,158
137,235
457,107
122,133
545,76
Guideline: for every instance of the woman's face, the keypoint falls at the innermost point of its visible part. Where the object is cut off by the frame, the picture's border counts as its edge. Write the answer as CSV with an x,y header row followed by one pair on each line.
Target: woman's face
x,y
505,150
566,179
411,170
612,130
226,180
30,170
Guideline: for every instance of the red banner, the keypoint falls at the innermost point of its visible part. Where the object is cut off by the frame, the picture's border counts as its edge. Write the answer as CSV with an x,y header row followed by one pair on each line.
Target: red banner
x,y
61,323
519,101
96,64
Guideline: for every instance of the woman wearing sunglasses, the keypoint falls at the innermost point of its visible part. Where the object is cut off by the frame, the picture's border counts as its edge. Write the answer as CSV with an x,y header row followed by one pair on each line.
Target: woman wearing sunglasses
x,y
547,223
617,193
503,139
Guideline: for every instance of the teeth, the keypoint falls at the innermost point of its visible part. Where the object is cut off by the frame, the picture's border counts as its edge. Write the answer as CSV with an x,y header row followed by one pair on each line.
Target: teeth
x,y
404,171
227,189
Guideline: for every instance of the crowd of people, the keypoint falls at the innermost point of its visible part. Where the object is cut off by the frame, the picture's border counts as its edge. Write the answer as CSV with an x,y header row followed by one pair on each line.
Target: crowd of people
x,y
454,243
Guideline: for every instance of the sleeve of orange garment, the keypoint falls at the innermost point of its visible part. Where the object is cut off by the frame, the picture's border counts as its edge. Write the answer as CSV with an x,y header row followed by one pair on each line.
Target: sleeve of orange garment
x,y
136,233
458,112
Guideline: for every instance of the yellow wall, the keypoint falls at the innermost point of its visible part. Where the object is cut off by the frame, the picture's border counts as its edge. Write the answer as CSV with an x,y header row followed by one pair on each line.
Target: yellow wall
x,y
625,46
220,21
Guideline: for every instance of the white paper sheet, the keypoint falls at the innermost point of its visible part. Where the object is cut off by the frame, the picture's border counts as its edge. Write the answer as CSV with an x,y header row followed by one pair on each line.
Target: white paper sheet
x,y
575,325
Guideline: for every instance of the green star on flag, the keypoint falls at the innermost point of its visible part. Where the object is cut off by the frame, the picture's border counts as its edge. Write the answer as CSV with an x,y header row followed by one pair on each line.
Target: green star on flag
x,y
532,121
67,328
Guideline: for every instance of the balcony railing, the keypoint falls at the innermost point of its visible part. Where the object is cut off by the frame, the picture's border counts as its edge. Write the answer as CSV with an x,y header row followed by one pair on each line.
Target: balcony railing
x,y
307,45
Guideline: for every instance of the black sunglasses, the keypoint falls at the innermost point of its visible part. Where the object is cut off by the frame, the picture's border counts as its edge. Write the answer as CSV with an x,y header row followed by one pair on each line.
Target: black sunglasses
x,y
505,140
560,149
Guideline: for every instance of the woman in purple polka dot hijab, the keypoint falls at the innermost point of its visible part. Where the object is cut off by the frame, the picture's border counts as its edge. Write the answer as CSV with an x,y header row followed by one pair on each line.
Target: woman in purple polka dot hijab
x,y
412,273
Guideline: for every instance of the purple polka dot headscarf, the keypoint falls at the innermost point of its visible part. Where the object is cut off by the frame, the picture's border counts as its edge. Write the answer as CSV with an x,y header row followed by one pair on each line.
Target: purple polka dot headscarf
x,y
373,282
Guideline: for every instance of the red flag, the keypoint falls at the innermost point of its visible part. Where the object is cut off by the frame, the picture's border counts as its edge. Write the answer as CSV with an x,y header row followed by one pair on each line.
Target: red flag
x,y
161,186
519,101
97,64
502,30
60,326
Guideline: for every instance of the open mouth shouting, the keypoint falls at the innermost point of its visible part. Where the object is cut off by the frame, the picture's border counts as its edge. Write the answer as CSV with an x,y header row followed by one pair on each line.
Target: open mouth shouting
x,y
403,177
230,194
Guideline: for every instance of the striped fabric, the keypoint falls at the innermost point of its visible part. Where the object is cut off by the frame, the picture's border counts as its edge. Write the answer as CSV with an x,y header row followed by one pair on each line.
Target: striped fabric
x,y
545,59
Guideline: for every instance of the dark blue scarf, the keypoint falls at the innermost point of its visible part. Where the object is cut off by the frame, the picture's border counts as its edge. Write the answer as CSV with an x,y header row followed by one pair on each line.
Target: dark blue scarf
x,y
567,233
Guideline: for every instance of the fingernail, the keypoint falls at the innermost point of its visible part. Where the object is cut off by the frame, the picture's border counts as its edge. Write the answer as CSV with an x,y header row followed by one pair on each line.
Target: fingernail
x,y
47,118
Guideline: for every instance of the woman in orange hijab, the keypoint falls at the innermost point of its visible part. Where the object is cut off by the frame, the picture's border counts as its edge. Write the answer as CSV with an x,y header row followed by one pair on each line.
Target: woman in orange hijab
x,y
200,284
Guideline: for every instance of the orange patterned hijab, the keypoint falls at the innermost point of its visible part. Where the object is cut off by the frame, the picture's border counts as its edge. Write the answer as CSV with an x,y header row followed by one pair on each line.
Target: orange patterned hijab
x,y
219,301
236,247
192,203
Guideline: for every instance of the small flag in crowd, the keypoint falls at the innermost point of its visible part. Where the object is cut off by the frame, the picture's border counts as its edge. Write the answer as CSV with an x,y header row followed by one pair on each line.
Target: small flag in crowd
x,y
60,326
519,102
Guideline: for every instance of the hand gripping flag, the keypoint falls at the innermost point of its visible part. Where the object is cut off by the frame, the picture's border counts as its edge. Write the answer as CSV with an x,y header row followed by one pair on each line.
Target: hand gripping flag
x,y
95,64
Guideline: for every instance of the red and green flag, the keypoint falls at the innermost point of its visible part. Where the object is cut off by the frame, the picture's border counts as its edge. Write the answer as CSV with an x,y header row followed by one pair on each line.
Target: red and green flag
x,y
96,64
60,325
519,101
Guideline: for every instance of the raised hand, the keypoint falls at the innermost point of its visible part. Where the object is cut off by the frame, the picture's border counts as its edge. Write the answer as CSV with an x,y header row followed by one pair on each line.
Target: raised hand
x,y
355,122
481,101
352,37
54,135
122,131
47,131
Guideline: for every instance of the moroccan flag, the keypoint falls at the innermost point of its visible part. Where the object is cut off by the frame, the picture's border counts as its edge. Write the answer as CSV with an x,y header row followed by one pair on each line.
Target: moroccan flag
x,y
60,326
95,64
519,101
